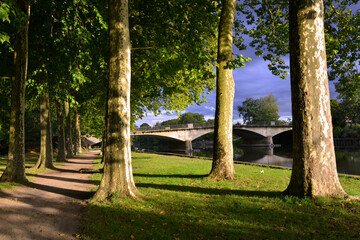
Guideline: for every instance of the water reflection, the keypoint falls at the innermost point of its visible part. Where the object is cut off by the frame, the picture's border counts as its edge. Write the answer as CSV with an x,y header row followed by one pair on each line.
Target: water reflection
x,y
347,160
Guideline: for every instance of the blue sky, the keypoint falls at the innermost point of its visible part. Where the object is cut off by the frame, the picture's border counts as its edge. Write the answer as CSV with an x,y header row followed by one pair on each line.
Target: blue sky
x,y
255,80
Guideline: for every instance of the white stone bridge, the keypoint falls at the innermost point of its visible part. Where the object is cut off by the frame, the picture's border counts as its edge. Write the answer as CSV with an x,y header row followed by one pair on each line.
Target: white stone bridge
x,y
253,135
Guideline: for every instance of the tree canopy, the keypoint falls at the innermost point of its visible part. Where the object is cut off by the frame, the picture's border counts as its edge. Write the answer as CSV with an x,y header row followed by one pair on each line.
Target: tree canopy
x,y
186,118
263,110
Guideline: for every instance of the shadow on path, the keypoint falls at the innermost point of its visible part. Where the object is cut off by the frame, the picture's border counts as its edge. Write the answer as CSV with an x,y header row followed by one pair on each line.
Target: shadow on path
x,y
81,195
66,179
50,206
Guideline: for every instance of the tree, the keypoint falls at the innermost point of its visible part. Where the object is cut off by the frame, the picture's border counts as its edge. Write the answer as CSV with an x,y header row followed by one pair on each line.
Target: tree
x,y
191,118
349,94
263,110
68,136
268,26
314,171
117,179
61,156
145,126
223,166
173,54
248,109
77,138
15,168
338,115
46,146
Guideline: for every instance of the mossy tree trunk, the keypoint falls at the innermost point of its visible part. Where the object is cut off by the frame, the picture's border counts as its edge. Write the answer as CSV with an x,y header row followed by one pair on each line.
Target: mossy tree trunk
x,y
223,164
61,156
68,138
117,180
314,168
46,148
77,138
15,168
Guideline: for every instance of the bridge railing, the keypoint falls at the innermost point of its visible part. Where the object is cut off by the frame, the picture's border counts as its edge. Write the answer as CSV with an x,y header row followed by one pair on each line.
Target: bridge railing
x,y
178,126
204,125
265,124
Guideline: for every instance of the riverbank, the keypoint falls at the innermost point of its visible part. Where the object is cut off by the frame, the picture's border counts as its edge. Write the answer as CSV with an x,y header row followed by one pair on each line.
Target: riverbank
x,y
181,203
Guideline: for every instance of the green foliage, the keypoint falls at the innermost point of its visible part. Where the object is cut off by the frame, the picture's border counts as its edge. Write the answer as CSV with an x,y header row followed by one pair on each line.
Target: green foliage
x,y
191,118
187,118
337,113
263,110
351,131
181,203
343,114
267,24
145,126
173,54
5,88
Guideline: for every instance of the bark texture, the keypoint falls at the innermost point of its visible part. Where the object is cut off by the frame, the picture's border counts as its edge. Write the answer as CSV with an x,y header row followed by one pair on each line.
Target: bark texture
x,y
223,164
314,171
46,148
77,139
61,157
15,168
117,179
68,138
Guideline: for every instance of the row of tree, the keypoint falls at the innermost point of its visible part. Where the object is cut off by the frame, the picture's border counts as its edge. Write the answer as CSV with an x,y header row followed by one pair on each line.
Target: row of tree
x,y
172,51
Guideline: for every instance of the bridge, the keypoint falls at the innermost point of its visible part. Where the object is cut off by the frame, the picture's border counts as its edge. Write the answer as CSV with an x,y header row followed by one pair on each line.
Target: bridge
x,y
253,135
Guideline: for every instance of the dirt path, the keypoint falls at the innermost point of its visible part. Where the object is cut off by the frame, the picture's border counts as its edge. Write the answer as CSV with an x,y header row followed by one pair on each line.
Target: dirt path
x,y
50,206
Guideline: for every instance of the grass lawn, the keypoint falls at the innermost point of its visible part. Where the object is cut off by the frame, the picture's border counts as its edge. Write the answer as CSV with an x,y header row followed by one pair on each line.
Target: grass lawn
x,y
30,160
179,202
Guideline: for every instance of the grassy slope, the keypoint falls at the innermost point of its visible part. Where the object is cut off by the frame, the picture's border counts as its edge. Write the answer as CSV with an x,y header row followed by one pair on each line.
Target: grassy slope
x,y
181,203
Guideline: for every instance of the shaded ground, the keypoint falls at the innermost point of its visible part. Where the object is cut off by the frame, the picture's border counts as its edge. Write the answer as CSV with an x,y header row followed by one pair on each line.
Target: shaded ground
x,y
50,206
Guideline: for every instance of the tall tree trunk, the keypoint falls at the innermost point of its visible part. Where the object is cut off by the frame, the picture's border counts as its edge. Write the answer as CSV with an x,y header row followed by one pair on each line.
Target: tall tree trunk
x,y
223,164
68,139
46,149
15,168
61,130
314,169
103,140
77,139
118,178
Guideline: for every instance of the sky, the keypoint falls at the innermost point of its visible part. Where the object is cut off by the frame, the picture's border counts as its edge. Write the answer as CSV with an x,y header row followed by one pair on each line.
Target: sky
x,y
255,81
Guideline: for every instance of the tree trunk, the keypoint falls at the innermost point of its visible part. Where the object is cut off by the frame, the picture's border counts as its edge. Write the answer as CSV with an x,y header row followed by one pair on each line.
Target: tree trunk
x,y
77,140
68,139
61,135
223,164
15,168
314,167
46,149
117,180
103,139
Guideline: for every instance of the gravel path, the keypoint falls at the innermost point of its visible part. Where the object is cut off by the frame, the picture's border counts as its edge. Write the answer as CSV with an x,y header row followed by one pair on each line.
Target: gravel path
x,y
50,206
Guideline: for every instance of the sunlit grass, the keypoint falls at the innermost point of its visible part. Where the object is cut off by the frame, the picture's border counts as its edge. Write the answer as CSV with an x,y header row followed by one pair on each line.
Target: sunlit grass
x,y
181,203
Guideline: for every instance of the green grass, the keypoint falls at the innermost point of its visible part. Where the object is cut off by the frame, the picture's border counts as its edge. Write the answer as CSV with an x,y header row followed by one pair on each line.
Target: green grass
x,y
179,202
30,160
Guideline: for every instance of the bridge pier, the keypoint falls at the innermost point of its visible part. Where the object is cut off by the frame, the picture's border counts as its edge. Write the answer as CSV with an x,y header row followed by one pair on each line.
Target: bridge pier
x,y
188,147
259,142
269,141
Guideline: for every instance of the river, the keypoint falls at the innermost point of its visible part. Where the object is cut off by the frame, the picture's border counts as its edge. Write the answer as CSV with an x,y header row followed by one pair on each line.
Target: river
x,y
347,160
